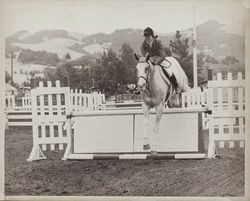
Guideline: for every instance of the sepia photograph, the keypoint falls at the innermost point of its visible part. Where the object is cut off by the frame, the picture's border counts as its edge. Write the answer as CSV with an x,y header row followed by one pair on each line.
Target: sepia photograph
x,y
124,99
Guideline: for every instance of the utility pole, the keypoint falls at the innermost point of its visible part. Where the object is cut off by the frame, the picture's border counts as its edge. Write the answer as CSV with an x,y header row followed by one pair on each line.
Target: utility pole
x,y
195,76
12,57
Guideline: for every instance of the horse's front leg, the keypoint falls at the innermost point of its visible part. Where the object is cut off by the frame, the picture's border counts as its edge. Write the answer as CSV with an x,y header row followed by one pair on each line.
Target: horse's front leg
x,y
158,110
146,145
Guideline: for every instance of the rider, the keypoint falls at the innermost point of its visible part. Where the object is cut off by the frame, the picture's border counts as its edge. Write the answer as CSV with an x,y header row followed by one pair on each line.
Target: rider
x,y
152,49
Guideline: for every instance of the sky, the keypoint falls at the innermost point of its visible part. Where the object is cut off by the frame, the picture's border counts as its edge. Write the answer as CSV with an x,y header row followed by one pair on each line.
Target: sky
x,y
89,17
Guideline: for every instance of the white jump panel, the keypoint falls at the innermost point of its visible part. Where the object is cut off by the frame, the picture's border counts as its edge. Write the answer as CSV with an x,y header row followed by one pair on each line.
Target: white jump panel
x,y
103,134
122,132
177,132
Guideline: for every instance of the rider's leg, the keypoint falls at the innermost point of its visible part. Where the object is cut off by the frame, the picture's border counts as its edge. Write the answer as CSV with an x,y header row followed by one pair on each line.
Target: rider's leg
x,y
173,80
175,83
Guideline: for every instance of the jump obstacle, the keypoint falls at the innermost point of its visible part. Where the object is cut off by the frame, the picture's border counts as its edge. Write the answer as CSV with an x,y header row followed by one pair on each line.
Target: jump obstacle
x,y
114,133
117,134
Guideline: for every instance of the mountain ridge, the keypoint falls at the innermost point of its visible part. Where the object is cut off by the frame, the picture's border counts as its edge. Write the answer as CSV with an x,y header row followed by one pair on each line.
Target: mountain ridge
x,y
210,35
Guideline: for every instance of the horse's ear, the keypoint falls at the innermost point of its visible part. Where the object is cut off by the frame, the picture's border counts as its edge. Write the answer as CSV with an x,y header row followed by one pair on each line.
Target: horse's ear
x,y
137,57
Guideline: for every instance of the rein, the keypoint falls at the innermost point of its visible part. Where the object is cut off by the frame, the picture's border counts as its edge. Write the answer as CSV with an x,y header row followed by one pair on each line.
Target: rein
x,y
145,78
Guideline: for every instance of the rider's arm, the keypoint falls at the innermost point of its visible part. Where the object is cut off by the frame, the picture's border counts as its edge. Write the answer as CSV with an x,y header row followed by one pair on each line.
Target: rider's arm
x,y
144,52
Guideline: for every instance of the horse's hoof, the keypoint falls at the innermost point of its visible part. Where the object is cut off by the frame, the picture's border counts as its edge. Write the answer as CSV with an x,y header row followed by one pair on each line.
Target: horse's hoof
x,y
146,147
153,153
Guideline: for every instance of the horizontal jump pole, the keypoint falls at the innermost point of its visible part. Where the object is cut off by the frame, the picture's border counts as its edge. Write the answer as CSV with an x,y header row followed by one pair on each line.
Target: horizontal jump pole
x,y
137,112
122,104
135,156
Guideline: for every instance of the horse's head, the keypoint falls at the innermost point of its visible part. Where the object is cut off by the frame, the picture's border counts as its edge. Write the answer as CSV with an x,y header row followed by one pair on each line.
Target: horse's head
x,y
144,70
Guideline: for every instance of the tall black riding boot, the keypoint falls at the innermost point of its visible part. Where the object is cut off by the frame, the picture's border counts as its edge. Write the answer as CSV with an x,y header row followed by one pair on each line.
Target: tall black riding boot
x,y
175,83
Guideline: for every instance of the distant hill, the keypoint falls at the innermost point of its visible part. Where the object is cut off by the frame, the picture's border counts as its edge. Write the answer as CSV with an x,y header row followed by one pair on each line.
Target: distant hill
x,y
212,37
131,36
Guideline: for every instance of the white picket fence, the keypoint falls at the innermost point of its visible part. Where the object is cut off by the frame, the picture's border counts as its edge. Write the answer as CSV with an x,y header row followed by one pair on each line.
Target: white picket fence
x,y
22,115
18,115
194,98
10,101
26,102
226,98
85,102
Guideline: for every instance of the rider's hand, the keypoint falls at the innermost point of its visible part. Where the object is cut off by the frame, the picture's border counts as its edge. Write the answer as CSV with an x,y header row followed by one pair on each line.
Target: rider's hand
x,y
147,56
152,61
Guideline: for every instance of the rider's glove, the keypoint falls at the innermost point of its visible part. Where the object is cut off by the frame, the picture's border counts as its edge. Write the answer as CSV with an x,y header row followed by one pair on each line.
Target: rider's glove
x,y
152,61
147,56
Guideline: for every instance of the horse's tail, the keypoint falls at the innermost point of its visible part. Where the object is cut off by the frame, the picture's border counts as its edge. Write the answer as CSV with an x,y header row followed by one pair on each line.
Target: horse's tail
x,y
185,85
182,77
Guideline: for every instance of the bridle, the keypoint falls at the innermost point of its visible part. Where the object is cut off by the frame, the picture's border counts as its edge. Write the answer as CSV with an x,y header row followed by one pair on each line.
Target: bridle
x,y
147,77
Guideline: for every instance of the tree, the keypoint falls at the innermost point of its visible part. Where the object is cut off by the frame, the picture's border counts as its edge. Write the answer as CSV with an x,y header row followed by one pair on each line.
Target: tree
x,y
179,47
49,74
7,77
204,61
111,67
129,62
229,61
39,57
98,74
34,72
65,72
87,73
203,58
110,62
67,56
26,84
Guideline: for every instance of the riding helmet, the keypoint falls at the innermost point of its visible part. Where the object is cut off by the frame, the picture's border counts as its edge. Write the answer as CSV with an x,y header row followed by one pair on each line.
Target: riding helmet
x,y
148,32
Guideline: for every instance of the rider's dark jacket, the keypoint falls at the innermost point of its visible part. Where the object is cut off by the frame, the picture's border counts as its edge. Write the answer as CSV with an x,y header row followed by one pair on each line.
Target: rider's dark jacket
x,y
156,51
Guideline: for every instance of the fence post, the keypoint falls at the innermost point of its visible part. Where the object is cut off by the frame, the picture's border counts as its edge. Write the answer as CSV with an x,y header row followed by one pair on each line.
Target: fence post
x,y
209,74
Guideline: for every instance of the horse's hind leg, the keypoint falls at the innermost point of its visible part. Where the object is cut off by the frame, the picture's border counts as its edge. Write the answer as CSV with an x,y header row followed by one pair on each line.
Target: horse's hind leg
x,y
146,145
159,110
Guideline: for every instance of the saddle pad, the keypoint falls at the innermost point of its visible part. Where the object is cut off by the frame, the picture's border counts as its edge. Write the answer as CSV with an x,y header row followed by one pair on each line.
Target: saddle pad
x,y
171,65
